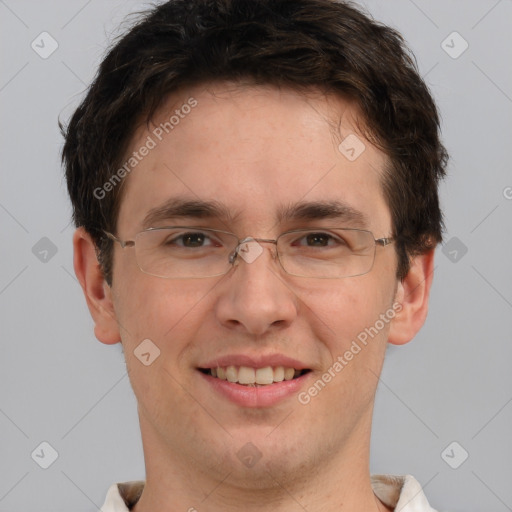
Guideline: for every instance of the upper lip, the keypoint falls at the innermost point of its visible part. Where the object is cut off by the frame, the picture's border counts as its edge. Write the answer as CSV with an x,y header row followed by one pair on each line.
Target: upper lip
x,y
255,361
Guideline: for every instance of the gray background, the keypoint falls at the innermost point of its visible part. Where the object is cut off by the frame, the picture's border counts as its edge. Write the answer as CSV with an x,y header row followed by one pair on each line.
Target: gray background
x,y
60,385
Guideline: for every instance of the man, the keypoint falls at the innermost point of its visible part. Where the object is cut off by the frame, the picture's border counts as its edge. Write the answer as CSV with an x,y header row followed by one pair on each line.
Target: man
x,y
254,186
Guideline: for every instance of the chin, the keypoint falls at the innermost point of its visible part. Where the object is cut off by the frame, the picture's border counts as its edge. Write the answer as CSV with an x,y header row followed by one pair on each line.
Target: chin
x,y
263,461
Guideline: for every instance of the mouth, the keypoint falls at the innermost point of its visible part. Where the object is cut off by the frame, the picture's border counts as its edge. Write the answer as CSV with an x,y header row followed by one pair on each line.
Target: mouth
x,y
254,377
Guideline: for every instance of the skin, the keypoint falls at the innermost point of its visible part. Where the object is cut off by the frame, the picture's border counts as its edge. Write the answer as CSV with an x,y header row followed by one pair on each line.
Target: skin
x,y
254,149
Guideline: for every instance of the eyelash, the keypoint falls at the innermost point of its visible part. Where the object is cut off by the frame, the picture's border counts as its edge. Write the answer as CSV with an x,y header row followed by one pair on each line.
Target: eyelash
x,y
178,239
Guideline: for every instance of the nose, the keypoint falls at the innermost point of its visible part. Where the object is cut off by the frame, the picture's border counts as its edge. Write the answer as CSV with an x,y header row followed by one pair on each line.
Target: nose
x,y
254,298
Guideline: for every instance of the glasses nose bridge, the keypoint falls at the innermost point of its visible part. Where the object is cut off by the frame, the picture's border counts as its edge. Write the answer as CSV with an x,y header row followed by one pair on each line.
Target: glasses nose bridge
x,y
234,255
253,239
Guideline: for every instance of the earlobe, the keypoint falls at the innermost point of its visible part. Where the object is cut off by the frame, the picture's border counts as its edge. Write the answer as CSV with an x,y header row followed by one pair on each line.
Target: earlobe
x,y
413,295
97,292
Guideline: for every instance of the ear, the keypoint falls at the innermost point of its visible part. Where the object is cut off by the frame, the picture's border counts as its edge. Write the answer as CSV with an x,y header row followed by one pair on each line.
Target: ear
x,y
98,293
413,294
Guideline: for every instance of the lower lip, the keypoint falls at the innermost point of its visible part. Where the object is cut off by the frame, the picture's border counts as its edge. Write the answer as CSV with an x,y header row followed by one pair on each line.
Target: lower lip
x,y
262,396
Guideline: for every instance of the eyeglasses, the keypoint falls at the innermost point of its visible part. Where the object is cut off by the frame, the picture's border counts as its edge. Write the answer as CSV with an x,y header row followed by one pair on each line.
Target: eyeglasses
x,y
180,252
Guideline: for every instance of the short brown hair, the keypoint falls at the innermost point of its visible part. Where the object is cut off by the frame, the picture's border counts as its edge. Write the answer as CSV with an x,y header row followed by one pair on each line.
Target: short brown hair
x,y
297,44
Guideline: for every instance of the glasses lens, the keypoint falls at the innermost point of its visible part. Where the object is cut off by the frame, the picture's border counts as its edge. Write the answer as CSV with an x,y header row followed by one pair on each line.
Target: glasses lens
x,y
181,252
327,253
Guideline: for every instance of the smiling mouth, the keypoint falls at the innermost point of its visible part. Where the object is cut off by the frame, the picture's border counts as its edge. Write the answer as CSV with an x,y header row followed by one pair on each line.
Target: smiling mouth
x,y
247,376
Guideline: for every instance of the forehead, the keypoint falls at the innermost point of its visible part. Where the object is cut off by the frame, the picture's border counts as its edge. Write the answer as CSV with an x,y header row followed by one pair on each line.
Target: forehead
x,y
255,152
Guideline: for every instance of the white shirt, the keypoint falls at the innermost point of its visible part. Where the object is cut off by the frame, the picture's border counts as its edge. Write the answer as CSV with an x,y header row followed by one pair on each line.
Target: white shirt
x,y
404,493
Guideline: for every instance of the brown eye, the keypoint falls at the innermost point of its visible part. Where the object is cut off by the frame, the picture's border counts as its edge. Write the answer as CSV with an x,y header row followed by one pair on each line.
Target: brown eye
x,y
317,239
189,240
193,239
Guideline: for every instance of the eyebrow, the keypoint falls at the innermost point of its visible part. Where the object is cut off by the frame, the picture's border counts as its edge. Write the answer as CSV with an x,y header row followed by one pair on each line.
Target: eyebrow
x,y
301,211
184,208
318,210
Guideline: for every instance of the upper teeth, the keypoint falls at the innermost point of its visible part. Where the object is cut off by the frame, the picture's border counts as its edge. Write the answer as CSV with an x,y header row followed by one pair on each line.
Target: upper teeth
x,y
247,375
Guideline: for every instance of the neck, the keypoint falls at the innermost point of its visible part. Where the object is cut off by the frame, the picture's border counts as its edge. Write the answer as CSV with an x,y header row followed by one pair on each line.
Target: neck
x,y
339,483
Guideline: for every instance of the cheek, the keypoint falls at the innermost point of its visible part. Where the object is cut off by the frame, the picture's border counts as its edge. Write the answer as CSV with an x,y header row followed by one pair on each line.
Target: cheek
x,y
347,309
165,312
348,322
160,319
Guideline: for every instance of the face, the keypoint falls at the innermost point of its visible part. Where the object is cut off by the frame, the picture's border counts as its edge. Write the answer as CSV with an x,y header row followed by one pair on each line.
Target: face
x,y
255,152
